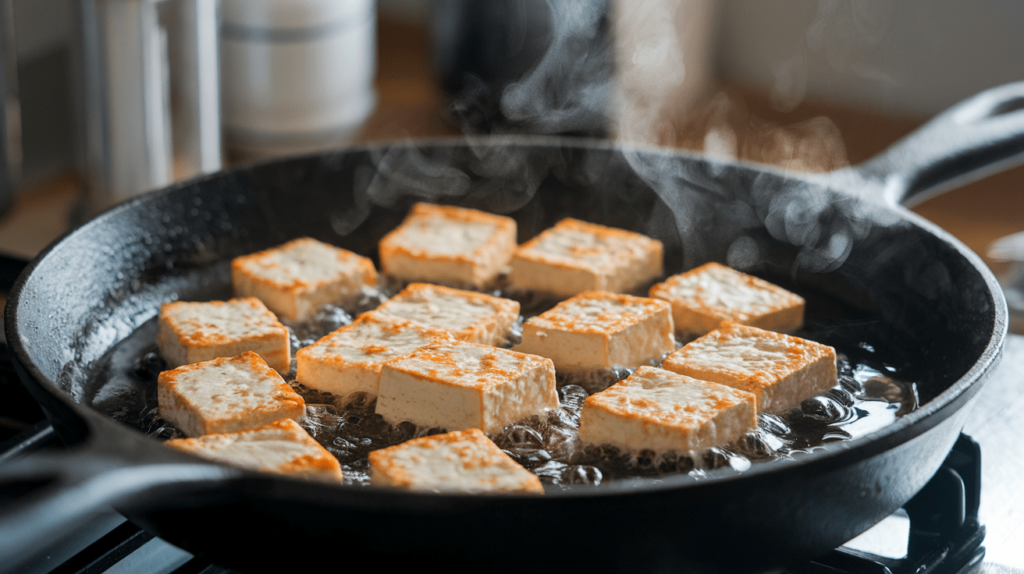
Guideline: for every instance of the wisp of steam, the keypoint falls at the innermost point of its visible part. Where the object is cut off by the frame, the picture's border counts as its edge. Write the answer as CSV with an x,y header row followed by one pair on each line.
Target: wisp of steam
x,y
639,83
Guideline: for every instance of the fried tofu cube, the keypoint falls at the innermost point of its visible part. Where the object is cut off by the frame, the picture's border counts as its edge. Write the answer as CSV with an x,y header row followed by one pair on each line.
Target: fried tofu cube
x,y
281,447
350,359
299,277
462,461
225,395
705,296
460,385
449,245
576,256
196,332
599,330
780,370
662,411
469,316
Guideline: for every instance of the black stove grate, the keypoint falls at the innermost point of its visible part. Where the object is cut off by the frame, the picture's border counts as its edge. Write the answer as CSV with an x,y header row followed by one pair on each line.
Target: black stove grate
x,y
945,533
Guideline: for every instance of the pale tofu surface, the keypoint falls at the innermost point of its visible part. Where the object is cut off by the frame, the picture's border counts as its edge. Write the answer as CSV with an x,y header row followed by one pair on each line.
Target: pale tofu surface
x,y
705,296
436,235
464,385
463,461
575,256
598,329
298,277
469,316
281,447
350,359
662,411
302,262
449,245
195,332
226,395
781,370
598,312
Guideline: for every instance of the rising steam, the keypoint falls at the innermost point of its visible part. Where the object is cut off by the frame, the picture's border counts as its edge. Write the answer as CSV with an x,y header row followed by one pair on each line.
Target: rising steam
x,y
659,94
568,89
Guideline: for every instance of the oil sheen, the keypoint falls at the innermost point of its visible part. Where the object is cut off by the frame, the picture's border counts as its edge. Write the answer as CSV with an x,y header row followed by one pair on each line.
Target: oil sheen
x,y
870,394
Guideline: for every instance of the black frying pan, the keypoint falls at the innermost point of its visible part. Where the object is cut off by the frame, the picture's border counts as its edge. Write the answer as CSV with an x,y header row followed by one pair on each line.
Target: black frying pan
x,y
871,271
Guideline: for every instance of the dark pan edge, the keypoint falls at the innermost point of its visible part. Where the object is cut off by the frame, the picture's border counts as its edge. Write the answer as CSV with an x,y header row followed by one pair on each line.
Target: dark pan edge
x,y
836,453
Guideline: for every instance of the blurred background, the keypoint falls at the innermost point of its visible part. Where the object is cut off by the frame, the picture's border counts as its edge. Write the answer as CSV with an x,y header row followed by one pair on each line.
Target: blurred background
x,y
107,98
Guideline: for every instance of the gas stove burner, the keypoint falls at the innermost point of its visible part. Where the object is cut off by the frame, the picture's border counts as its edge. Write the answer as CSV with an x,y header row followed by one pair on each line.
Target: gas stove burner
x,y
945,534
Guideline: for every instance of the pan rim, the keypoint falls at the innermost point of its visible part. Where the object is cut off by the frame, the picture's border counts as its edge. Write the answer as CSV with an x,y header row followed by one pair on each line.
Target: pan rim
x,y
833,454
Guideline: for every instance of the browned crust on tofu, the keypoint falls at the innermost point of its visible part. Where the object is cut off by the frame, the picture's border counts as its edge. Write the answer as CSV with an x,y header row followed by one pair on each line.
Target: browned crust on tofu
x,y
198,340
285,403
525,250
602,401
388,323
487,330
383,464
504,227
320,463
323,464
693,316
364,264
618,401
286,298
175,343
464,385
612,320
601,340
586,267
764,383
490,375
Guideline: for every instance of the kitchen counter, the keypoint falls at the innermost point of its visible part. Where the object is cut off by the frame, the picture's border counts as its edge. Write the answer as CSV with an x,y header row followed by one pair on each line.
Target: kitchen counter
x,y
995,422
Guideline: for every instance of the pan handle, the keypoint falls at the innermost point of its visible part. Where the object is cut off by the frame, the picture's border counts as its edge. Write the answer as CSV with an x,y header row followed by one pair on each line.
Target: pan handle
x,y
54,494
975,138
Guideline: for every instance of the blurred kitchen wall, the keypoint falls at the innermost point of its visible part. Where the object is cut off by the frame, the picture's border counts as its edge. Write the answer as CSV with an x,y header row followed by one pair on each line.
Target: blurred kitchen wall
x,y
42,31
901,57
909,58
904,57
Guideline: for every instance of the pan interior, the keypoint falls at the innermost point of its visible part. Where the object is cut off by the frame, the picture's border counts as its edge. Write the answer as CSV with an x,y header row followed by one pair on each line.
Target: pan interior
x,y
867,274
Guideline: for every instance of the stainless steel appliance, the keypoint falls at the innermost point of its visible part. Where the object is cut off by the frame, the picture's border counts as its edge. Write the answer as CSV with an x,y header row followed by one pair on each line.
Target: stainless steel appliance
x,y
150,94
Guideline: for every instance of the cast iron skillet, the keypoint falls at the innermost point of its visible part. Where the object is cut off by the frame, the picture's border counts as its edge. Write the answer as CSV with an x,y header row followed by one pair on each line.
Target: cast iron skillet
x,y
870,269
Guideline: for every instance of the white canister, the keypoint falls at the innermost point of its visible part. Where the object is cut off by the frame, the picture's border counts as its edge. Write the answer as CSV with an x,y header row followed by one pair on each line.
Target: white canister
x,y
296,75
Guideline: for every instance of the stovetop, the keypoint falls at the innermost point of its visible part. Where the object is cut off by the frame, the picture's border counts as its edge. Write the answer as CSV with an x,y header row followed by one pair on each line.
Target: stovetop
x,y
940,531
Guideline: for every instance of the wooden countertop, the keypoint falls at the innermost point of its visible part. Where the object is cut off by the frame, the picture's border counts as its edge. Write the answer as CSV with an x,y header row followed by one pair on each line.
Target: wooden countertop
x,y
411,106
